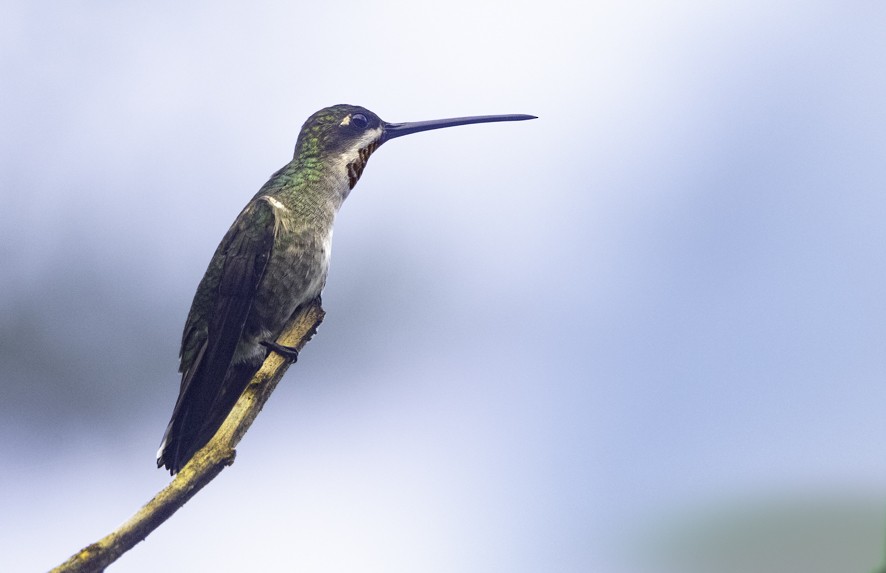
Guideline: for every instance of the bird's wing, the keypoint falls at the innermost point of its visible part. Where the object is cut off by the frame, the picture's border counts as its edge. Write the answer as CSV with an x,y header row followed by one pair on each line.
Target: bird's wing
x,y
213,331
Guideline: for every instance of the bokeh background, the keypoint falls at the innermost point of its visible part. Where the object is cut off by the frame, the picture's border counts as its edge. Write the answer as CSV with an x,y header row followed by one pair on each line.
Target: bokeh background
x,y
643,333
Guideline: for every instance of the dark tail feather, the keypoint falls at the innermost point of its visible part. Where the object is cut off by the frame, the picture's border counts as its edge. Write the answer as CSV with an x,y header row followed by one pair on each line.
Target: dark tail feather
x,y
196,420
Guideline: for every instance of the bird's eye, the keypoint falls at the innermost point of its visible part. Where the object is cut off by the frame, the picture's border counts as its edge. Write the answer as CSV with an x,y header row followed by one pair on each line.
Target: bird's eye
x,y
359,120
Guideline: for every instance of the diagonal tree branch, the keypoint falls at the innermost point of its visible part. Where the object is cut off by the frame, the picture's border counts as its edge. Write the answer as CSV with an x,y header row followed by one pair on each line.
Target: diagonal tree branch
x,y
206,463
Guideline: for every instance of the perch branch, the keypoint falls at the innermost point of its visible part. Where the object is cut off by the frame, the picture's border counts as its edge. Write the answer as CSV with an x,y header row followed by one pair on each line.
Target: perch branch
x,y
206,463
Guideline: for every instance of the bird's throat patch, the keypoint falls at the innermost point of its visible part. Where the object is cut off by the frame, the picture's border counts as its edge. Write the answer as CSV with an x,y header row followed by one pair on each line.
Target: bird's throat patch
x,y
355,168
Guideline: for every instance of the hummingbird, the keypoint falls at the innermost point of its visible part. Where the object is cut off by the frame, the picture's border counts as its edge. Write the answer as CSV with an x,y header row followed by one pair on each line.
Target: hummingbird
x,y
272,260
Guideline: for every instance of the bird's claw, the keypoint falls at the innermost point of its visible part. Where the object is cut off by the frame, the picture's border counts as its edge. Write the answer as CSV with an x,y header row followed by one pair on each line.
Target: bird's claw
x,y
288,352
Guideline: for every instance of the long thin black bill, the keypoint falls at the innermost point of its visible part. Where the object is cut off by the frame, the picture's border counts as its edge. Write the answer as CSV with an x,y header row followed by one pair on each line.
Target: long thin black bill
x,y
393,130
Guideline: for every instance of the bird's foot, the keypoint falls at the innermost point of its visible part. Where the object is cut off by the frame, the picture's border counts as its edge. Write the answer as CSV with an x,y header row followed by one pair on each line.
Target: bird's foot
x,y
288,352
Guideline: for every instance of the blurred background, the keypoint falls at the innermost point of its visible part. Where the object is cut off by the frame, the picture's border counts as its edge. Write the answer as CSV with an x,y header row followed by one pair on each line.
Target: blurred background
x,y
643,333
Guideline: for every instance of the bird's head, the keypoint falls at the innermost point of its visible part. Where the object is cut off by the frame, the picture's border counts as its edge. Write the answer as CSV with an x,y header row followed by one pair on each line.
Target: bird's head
x,y
346,135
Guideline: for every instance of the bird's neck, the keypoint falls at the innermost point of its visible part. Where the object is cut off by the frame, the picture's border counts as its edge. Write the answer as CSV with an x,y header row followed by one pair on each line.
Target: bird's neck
x,y
310,186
